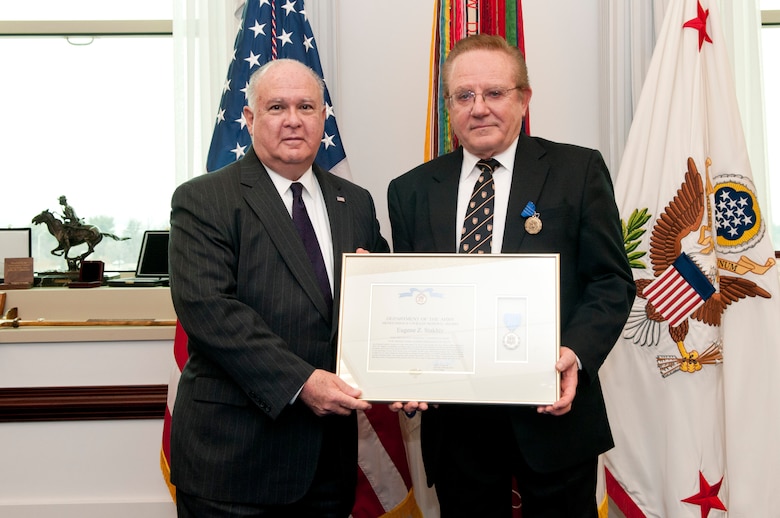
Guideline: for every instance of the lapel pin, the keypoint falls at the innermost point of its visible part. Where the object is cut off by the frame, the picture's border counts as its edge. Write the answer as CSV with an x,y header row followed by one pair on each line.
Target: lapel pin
x,y
340,199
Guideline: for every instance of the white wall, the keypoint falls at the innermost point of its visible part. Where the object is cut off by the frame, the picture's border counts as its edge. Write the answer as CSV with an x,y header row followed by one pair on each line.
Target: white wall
x,y
562,50
83,469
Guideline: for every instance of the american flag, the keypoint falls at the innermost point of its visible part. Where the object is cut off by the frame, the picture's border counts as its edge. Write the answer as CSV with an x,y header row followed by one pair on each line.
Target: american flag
x,y
270,30
679,290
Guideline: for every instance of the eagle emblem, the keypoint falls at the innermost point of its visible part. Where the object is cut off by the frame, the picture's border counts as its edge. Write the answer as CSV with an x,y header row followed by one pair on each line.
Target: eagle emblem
x,y
731,208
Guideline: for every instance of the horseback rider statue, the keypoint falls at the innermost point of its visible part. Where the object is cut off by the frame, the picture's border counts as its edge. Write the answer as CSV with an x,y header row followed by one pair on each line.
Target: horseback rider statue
x,y
69,217
72,231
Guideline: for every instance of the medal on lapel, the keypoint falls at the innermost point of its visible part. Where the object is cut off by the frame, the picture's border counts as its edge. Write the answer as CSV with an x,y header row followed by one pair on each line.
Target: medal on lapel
x,y
533,223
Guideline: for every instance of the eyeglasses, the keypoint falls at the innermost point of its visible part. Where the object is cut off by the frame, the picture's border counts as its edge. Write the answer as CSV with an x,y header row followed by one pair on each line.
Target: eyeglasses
x,y
492,96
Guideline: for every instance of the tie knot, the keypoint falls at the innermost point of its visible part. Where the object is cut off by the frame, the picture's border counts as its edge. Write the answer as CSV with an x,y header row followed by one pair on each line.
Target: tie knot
x,y
488,166
297,189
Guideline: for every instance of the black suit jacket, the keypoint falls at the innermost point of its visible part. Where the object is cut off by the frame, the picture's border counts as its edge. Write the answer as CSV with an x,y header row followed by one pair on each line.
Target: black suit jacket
x,y
258,325
573,194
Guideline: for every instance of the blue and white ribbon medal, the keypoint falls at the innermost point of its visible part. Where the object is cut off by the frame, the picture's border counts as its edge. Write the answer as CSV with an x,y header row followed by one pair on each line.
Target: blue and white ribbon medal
x,y
533,224
512,322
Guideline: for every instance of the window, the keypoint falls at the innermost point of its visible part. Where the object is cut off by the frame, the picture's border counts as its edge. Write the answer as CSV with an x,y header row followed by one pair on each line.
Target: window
x,y
770,41
87,103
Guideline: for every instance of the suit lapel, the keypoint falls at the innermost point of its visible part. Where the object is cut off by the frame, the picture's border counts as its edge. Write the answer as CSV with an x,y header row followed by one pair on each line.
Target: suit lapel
x,y
261,195
528,178
443,196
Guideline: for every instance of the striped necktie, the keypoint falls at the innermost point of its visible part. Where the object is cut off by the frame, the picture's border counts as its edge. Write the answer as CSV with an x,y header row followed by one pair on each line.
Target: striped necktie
x,y
477,232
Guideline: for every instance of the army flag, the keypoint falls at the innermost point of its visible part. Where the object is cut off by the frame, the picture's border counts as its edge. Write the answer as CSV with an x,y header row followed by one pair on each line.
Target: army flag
x,y
693,398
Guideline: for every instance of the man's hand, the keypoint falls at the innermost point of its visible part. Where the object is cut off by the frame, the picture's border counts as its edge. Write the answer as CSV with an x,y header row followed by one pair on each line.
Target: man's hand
x,y
410,407
567,366
325,393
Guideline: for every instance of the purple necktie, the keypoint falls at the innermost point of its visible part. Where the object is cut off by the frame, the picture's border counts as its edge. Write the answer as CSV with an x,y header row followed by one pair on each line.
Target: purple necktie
x,y
303,224
477,231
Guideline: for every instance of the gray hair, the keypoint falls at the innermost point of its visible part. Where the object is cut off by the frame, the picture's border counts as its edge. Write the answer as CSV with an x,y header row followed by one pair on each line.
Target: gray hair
x,y
258,74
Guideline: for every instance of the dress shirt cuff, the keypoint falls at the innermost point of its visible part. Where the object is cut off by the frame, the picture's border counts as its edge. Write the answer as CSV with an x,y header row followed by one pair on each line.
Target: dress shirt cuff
x,y
295,397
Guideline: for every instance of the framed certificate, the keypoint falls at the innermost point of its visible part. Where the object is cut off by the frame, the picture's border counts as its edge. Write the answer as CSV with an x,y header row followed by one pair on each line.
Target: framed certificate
x,y
450,327
14,243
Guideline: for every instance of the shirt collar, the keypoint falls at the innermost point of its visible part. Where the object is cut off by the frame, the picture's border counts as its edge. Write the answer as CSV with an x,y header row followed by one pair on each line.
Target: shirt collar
x,y
282,184
506,158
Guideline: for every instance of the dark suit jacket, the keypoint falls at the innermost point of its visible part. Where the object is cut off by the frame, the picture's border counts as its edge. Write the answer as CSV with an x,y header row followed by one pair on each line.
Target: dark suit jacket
x,y
246,294
573,194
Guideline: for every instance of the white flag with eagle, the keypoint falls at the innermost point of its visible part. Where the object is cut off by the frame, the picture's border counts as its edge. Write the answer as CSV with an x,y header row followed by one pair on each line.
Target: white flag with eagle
x,y
693,394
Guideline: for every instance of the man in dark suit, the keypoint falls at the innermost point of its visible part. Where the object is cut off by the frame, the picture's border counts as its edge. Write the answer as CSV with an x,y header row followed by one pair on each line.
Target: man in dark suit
x,y
262,426
538,197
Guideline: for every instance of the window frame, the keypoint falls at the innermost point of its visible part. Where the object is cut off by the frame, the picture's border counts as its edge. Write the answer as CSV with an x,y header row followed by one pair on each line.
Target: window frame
x,y
771,18
86,27
101,28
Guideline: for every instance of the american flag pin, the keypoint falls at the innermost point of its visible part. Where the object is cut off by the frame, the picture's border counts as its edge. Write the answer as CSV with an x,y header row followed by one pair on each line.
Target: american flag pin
x,y
341,199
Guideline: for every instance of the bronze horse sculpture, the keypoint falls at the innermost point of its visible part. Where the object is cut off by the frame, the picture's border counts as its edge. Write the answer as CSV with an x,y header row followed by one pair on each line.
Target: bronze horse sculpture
x,y
69,236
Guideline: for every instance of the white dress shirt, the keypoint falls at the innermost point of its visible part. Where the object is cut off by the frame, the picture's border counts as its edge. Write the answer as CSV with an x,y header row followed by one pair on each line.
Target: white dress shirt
x,y
315,206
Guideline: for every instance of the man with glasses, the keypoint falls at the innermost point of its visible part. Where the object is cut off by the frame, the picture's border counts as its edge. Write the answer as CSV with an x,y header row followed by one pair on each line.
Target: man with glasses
x,y
503,191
